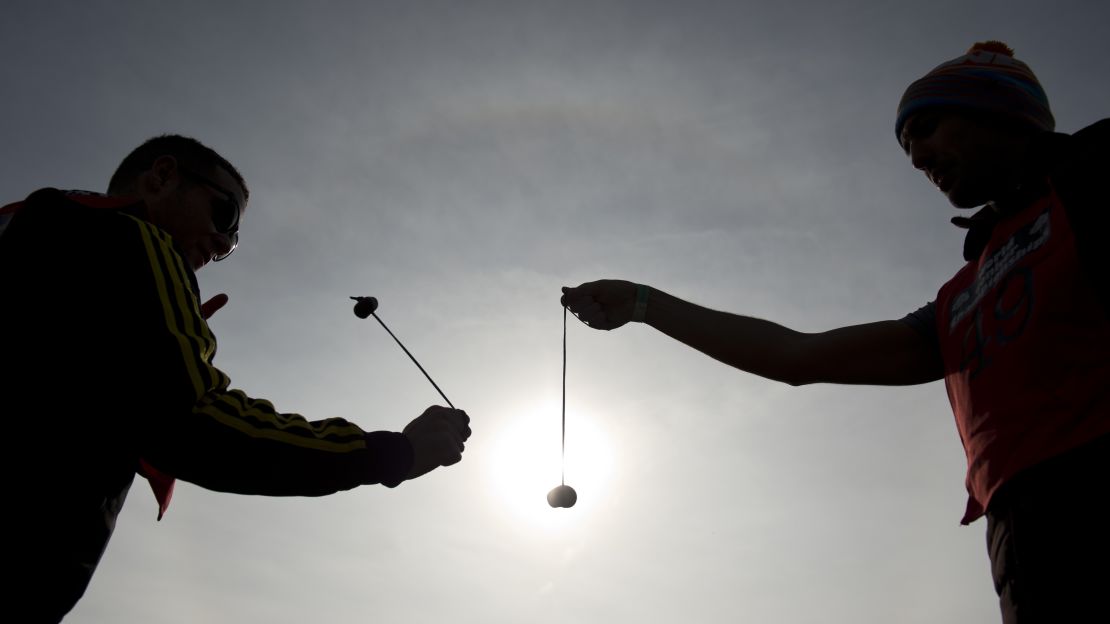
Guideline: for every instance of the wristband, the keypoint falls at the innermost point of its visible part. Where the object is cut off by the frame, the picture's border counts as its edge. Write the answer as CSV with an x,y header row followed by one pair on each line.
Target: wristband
x,y
639,311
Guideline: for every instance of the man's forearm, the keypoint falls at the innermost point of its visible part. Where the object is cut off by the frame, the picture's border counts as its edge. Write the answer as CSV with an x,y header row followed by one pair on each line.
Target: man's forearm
x,y
878,353
754,345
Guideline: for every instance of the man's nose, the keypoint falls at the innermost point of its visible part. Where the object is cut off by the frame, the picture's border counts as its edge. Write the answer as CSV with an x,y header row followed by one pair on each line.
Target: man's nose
x,y
921,155
222,244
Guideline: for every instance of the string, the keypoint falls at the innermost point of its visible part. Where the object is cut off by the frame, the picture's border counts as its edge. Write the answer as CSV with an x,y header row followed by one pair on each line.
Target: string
x,y
563,476
418,363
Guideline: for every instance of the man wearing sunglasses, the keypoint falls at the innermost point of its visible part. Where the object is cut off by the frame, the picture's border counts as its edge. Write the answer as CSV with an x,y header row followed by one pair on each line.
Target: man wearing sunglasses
x,y
107,358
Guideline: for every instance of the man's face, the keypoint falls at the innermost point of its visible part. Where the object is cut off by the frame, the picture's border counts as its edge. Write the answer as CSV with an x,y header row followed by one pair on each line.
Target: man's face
x,y
201,210
970,161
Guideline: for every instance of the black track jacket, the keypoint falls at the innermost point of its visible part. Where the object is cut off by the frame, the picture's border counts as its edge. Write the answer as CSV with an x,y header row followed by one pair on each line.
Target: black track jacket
x,y
104,358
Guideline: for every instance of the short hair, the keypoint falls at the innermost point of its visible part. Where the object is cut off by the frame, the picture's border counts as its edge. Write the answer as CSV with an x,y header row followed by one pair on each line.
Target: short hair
x,y
188,151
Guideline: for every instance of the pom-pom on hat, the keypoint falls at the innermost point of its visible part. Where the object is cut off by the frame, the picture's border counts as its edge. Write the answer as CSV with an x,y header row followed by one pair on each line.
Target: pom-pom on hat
x,y
988,78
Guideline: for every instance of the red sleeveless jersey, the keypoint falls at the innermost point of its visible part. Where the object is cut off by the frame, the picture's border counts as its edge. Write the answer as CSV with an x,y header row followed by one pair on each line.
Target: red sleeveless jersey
x,y
1026,347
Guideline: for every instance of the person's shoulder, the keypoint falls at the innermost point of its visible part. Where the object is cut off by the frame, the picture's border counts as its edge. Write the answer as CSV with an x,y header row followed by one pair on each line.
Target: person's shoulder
x,y
1099,129
1100,126
1080,155
79,199
59,207
69,220
1079,176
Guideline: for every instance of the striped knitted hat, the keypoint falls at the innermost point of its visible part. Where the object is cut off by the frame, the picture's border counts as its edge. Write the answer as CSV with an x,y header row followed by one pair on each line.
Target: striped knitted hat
x,y
987,78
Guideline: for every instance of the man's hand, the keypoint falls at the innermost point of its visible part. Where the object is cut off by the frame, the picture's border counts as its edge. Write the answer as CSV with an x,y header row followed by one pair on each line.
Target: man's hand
x,y
604,304
437,437
208,308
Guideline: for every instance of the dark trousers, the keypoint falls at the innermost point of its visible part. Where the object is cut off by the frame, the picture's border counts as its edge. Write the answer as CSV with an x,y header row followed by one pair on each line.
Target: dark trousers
x,y
1048,534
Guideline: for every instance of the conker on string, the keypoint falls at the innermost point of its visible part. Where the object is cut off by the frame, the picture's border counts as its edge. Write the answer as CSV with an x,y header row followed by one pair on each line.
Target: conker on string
x,y
562,496
365,306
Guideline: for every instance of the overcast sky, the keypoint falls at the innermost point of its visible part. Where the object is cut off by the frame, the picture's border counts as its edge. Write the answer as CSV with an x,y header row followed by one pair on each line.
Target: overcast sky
x,y
463,160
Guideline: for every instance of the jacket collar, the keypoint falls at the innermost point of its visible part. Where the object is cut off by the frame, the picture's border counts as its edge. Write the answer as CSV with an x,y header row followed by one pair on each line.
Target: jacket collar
x,y
1046,150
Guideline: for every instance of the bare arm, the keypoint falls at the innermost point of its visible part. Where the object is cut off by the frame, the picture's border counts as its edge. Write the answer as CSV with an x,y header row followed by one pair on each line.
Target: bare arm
x,y
881,353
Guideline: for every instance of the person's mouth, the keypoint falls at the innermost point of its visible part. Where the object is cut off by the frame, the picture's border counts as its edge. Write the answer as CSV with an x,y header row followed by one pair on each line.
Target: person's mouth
x,y
197,258
942,178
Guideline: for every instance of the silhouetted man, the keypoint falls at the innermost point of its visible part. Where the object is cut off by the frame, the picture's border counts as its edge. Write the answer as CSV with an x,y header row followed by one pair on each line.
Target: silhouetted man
x,y
107,370
1021,335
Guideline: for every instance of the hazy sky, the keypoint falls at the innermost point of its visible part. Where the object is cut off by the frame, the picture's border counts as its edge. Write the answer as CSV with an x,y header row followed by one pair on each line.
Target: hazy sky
x,y
463,160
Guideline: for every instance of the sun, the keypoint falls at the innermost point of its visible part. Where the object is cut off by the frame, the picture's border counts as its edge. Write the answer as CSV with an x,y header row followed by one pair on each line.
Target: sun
x,y
525,464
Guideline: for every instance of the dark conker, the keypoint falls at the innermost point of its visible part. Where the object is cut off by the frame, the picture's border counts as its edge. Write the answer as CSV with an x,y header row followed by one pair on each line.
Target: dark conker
x,y
365,306
562,496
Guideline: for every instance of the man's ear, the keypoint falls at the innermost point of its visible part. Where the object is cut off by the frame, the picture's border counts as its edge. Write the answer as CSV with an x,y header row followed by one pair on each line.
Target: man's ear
x,y
163,175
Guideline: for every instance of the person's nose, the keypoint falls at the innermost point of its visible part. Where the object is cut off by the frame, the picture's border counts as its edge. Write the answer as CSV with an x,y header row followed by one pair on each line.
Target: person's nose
x,y
222,245
922,155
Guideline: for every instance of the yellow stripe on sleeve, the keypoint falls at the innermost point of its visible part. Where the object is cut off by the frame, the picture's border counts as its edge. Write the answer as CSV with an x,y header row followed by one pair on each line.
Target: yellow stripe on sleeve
x,y
234,409
282,433
197,343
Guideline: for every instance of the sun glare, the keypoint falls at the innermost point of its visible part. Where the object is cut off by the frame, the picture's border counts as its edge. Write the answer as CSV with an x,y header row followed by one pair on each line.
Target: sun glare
x,y
525,465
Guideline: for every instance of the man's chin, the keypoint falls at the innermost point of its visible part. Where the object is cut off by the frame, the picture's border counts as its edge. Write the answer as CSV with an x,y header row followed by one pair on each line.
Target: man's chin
x,y
196,260
963,200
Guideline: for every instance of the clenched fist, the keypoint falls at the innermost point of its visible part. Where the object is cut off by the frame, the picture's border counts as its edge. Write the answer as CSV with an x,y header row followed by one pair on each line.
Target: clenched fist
x,y
604,304
438,437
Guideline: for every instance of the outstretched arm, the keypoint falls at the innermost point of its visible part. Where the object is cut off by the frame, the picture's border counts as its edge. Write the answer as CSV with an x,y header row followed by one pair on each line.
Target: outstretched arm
x,y
881,353
200,430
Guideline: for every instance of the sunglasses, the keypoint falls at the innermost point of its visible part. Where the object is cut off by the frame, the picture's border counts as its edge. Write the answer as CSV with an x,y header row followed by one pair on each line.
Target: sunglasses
x,y
225,210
